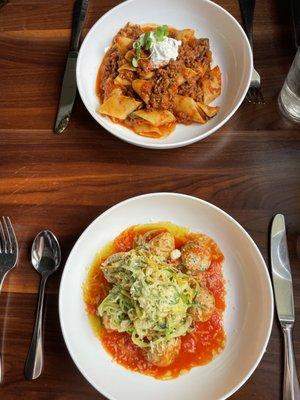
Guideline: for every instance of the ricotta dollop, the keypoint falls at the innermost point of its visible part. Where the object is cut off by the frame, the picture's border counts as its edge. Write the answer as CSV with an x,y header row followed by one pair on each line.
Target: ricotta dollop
x,y
164,51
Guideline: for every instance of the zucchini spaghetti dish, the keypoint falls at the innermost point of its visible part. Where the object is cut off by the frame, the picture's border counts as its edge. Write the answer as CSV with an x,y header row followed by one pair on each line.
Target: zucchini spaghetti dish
x,y
155,297
153,77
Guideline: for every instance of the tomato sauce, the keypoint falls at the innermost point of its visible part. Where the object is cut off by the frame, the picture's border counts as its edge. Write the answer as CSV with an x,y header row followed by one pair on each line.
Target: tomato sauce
x,y
197,347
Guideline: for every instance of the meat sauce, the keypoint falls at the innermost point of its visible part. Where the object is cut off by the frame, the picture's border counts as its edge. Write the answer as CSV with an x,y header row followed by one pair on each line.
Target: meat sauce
x,y
198,347
194,53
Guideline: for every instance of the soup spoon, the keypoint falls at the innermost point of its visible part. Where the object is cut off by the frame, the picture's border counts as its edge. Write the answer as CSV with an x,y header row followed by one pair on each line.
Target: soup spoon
x,y
45,258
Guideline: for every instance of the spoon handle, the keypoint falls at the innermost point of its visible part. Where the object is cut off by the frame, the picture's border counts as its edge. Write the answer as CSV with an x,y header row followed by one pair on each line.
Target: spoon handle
x,y
35,357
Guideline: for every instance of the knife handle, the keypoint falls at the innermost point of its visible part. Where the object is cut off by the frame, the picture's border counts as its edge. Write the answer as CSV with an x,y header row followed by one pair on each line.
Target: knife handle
x,y
291,389
80,8
247,10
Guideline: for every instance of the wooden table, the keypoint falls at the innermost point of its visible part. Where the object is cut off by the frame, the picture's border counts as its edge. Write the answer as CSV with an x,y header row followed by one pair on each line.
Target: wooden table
x,y
250,168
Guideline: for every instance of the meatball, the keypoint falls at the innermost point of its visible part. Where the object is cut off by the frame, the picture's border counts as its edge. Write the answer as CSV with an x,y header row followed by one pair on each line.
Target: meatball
x,y
163,354
195,257
205,305
113,258
162,245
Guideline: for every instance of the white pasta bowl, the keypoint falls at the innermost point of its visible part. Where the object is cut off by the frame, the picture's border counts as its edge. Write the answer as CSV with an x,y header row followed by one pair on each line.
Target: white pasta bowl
x,y
228,42
247,319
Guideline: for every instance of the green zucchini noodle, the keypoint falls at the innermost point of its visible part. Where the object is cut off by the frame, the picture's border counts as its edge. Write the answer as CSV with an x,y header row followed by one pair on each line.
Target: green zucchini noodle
x,y
151,299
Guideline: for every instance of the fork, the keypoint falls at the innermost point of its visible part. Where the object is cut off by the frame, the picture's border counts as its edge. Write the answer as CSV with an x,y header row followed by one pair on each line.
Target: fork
x,y
254,94
9,252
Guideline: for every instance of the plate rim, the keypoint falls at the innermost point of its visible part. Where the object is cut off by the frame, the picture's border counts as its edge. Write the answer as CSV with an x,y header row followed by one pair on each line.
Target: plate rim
x,y
181,195
181,143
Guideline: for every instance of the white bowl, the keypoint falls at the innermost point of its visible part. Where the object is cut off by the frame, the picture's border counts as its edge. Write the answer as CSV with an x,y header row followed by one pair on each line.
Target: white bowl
x,y
247,319
229,45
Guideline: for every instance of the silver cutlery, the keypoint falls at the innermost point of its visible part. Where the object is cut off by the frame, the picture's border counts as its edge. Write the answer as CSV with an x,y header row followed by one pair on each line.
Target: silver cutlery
x,y
254,94
9,252
3,3
283,288
45,258
69,87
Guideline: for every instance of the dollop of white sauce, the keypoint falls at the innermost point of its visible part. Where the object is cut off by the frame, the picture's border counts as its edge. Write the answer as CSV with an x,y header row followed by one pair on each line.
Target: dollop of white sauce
x,y
164,51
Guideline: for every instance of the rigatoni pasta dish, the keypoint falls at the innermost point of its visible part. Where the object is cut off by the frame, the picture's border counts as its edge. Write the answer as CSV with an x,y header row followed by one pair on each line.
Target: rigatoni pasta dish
x,y
156,297
153,77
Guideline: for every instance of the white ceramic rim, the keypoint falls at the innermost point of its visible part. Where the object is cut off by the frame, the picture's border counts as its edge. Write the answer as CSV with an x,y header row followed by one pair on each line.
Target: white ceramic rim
x,y
183,142
158,194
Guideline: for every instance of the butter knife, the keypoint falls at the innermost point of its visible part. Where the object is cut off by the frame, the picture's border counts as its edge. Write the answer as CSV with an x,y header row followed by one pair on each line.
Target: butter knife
x,y
283,288
69,87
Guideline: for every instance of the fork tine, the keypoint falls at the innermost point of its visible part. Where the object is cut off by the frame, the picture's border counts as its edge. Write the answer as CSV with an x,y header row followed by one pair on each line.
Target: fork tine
x,y
250,97
260,96
3,239
12,234
255,95
6,222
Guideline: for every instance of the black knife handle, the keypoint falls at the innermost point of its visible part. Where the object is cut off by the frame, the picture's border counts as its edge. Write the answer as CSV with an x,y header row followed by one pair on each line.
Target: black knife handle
x,y
296,20
247,10
80,8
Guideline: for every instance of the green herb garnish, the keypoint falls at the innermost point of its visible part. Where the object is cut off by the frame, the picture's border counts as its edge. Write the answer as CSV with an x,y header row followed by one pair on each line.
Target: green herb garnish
x,y
160,32
135,62
147,41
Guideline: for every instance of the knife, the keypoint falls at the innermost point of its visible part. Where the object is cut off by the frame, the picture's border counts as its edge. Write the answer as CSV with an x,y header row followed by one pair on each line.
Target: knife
x,y
283,288
69,87
296,21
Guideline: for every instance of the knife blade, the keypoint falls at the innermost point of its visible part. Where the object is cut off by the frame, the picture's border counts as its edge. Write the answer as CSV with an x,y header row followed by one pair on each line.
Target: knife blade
x,y
284,299
69,86
281,271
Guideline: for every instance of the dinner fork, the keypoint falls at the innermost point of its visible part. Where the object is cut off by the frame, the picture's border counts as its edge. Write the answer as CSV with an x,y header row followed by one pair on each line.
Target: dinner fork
x,y
9,252
254,94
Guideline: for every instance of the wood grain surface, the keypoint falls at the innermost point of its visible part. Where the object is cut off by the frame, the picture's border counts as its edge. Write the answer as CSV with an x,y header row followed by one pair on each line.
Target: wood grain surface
x,y
250,168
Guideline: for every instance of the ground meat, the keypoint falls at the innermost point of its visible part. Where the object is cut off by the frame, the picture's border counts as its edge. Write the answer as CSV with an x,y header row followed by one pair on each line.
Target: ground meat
x,y
193,51
131,31
128,91
165,86
192,88
183,118
122,61
112,64
126,74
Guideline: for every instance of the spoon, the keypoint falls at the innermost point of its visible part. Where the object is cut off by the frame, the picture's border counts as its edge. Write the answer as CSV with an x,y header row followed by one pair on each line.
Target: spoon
x,y
45,258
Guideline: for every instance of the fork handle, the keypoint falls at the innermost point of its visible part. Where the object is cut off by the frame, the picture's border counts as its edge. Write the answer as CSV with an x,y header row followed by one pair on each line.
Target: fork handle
x,y
2,276
35,356
247,10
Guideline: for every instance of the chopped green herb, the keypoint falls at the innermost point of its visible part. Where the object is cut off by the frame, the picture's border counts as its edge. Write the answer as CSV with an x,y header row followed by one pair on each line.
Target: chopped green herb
x,y
160,32
147,40
135,62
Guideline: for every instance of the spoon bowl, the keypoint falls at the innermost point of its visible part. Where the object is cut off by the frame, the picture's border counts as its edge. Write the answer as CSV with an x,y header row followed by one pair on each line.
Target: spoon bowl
x,y
45,253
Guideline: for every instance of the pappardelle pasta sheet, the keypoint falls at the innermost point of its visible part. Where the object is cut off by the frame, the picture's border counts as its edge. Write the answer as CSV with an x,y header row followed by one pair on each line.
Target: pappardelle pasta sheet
x,y
151,99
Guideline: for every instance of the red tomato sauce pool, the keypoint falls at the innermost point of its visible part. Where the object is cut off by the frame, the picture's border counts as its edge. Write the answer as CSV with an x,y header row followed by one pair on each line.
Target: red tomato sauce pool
x,y
197,347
